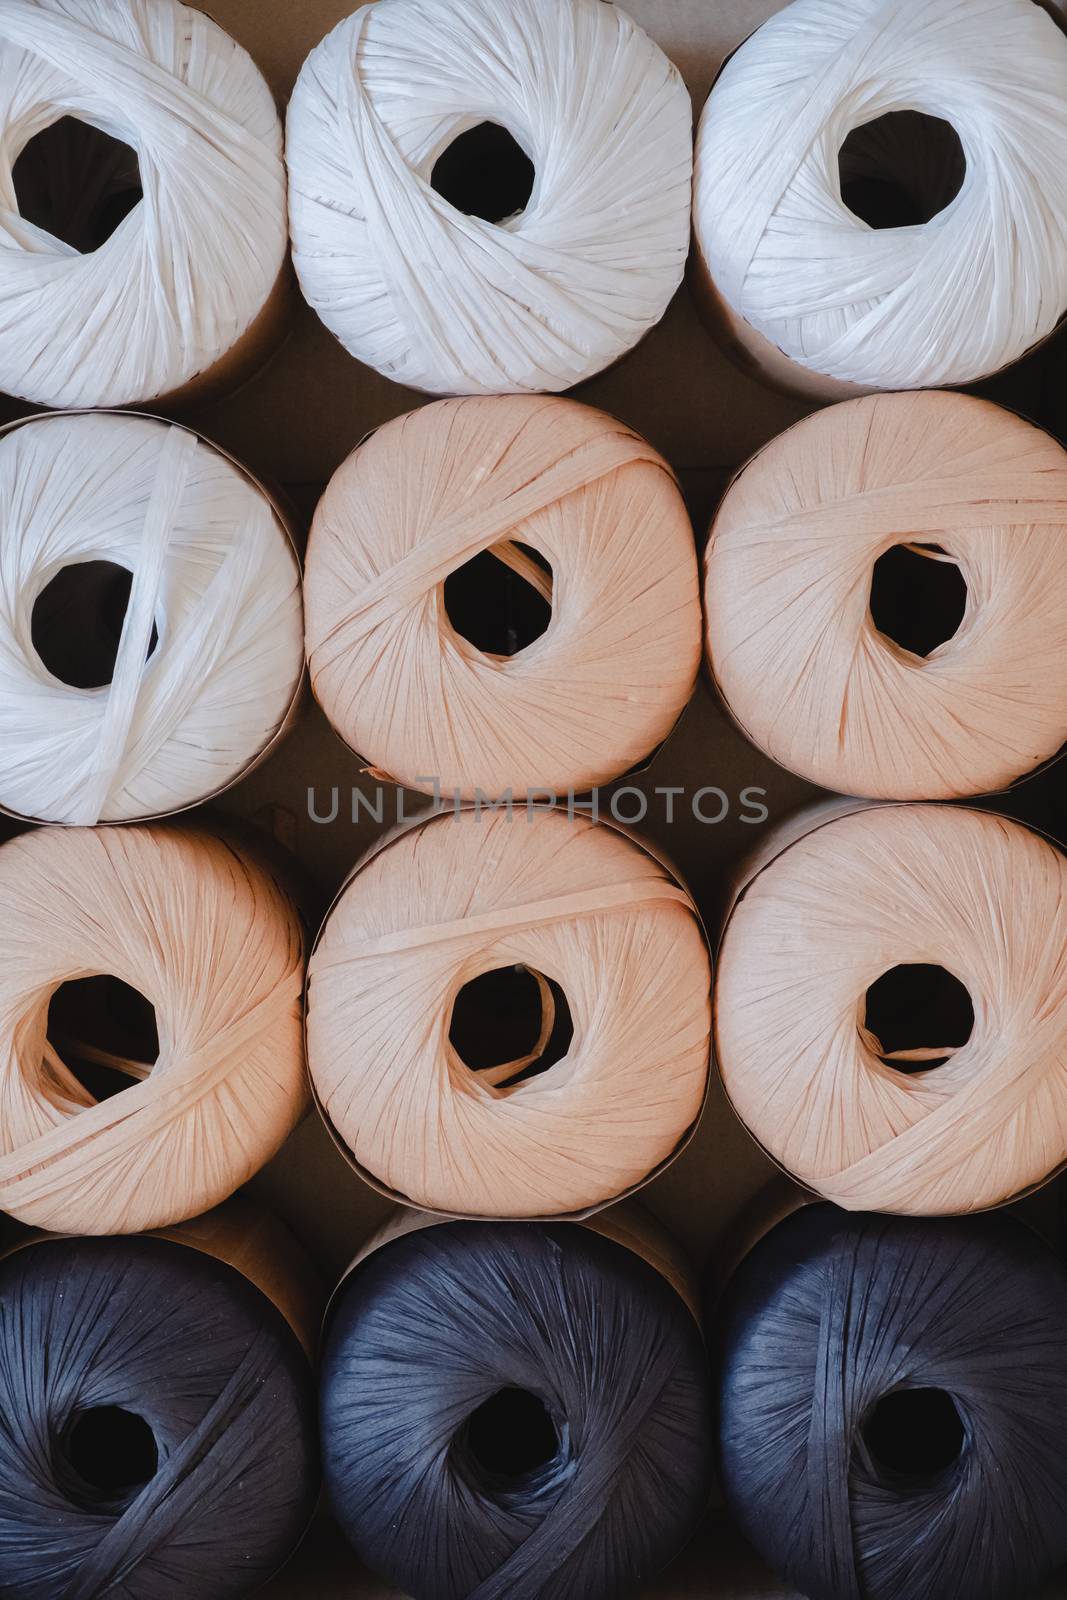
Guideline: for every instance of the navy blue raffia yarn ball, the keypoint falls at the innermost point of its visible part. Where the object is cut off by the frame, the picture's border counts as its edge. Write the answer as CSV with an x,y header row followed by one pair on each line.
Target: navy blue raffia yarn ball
x,y
893,1406
514,1411
157,1425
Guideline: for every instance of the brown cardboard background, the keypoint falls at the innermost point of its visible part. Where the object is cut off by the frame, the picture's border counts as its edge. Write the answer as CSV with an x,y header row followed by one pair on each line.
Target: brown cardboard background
x,y
293,423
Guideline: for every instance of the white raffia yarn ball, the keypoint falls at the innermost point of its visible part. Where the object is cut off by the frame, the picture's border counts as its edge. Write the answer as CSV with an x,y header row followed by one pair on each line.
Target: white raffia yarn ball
x,y
451,303
189,269
214,582
939,302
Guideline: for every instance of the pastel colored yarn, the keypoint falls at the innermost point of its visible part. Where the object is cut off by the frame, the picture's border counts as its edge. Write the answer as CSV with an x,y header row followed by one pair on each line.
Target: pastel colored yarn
x,y
466,894
943,302
210,940
976,894
602,685
831,1321
186,1345
189,269
434,1325
214,573
791,640
450,303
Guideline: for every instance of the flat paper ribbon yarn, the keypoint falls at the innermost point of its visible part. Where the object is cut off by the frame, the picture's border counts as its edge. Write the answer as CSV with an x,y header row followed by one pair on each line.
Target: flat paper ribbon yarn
x,y
976,895
514,1412
166,1442
792,568
932,302
189,269
453,303
210,654
892,1401
576,504
469,894
208,938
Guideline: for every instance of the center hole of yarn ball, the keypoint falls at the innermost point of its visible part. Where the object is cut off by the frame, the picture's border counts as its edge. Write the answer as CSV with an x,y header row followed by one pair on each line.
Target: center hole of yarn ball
x,y
915,1433
901,169
105,1031
77,620
916,601
484,173
494,607
498,1016
112,1451
918,1006
77,183
511,1435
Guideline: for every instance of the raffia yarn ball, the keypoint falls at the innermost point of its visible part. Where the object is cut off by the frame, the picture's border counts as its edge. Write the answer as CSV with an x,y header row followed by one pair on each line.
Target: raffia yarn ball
x,y
807,540
209,939
586,515
928,1127
447,300
189,269
571,902
957,112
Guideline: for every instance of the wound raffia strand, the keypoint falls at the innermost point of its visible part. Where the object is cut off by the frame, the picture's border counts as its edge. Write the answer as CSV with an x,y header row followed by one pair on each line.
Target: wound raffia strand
x,y
451,303
976,894
147,1332
216,947
213,573
941,302
597,690
186,273
960,1326
467,894
790,635
434,1326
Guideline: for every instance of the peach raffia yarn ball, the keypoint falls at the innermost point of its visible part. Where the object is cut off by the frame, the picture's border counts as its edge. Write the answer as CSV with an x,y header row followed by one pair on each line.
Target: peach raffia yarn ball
x,y
468,893
791,639
856,896
215,946
609,676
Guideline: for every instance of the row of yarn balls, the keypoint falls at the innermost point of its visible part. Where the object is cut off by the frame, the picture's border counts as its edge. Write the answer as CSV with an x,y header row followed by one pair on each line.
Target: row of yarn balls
x,y
177,1407
590,550
582,258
